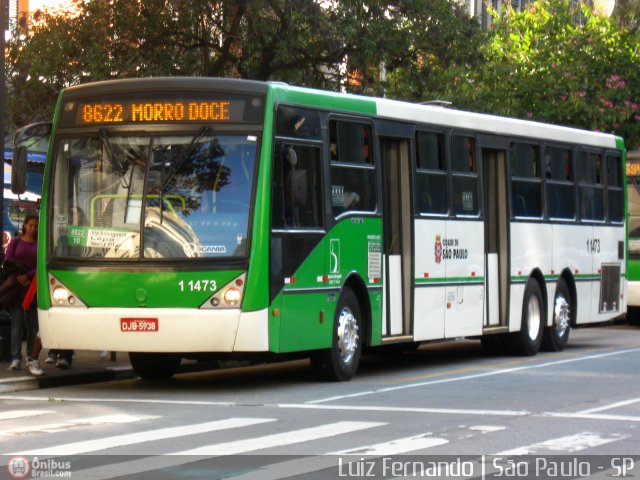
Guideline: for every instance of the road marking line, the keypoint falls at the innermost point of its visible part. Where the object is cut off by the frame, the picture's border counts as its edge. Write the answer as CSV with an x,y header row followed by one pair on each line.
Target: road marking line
x,y
280,439
81,422
568,444
77,448
611,406
475,376
308,406
15,414
367,408
593,416
118,400
303,466
230,448
487,428
396,447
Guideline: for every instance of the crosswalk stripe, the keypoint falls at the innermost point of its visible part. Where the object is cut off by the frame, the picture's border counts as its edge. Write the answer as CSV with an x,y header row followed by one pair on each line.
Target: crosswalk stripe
x,y
279,439
396,447
15,414
228,448
77,448
303,466
568,444
61,426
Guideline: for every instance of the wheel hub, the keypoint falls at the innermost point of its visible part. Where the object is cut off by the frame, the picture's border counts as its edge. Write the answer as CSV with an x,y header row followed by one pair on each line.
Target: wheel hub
x,y
347,334
562,314
534,316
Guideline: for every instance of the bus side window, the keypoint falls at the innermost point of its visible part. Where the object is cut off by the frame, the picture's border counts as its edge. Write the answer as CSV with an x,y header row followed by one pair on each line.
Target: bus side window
x,y
615,191
297,188
560,188
526,180
591,188
464,178
352,167
431,174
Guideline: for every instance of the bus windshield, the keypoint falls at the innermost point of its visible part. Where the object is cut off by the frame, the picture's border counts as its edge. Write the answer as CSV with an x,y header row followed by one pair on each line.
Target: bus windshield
x,y
152,196
633,196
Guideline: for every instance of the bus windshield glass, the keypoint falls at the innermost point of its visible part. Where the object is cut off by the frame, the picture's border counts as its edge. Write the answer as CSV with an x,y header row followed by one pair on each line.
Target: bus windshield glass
x,y
152,196
633,199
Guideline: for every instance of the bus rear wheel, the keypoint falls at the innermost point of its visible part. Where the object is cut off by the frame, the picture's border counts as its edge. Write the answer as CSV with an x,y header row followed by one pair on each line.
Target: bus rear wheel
x,y
154,366
557,335
528,340
340,362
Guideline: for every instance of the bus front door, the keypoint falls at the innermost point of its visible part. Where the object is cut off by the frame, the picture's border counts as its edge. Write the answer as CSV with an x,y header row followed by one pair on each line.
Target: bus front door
x,y
397,298
496,237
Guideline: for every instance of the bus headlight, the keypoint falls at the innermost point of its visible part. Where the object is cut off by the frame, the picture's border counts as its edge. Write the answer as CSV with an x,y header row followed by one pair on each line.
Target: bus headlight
x,y
229,296
232,296
61,296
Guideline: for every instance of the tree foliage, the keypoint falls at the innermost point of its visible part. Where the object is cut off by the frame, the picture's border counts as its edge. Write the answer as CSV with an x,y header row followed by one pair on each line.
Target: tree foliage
x,y
543,64
328,44
540,63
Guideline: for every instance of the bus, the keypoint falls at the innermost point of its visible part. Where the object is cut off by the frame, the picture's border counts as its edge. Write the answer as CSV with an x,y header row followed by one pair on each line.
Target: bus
x,y
633,238
205,217
35,139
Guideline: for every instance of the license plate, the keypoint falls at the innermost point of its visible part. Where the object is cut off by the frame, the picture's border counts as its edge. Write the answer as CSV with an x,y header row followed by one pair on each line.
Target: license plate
x,y
139,324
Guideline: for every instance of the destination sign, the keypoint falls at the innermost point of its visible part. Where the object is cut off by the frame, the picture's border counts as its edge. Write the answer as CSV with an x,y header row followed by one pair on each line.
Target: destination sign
x,y
633,167
159,109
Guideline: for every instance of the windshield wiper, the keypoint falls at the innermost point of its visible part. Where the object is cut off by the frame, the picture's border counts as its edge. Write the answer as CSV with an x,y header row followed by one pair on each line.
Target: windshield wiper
x,y
177,165
182,157
117,166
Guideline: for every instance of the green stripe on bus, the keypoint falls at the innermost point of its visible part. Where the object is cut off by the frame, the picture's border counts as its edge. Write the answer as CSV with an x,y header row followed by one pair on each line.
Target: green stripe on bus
x,y
422,281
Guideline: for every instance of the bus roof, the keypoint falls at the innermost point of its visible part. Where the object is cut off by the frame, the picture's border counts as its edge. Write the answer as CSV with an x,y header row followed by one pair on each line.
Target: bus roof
x,y
386,108
448,117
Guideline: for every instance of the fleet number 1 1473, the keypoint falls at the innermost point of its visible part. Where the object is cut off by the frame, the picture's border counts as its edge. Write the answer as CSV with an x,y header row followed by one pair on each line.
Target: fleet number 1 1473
x,y
198,286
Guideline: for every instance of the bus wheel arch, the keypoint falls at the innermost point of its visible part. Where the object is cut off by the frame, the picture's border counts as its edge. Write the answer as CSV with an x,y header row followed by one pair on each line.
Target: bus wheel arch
x,y
359,288
155,366
563,315
349,330
528,339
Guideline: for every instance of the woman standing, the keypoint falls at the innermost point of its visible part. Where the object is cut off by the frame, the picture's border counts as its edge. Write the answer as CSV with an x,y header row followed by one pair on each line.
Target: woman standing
x,y
23,249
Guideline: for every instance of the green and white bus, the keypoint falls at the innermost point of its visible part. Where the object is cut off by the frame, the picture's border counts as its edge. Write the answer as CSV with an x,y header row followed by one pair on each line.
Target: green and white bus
x,y
190,217
633,245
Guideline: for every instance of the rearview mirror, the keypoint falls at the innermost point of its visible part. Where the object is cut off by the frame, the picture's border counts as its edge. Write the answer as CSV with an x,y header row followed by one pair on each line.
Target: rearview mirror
x,y
19,170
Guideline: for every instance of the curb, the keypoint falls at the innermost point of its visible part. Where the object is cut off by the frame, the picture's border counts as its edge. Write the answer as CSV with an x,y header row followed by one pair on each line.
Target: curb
x,y
19,384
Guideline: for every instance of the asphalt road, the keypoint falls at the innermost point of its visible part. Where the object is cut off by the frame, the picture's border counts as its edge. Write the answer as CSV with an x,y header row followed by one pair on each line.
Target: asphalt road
x,y
446,401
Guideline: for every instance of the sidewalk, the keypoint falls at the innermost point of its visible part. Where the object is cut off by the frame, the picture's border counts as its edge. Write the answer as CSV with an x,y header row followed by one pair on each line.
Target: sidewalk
x,y
87,367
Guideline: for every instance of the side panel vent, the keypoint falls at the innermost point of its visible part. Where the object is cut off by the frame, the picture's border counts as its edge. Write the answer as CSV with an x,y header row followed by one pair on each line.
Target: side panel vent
x,y
610,288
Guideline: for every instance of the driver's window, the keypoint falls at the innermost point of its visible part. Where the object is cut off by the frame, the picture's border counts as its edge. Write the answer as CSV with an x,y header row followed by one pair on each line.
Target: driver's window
x,y
297,187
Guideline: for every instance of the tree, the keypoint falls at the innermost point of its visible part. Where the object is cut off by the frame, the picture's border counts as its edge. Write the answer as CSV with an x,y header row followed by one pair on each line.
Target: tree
x,y
397,47
542,64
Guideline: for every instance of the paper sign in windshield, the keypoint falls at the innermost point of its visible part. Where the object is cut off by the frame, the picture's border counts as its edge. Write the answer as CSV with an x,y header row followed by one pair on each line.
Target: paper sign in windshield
x,y
100,238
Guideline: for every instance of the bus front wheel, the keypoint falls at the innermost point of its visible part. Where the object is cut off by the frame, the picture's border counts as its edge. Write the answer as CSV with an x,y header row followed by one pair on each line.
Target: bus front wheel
x,y
528,340
154,366
557,335
340,362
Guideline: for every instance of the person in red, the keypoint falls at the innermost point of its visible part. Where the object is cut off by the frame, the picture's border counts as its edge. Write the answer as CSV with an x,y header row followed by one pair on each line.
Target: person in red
x,y
30,297
23,250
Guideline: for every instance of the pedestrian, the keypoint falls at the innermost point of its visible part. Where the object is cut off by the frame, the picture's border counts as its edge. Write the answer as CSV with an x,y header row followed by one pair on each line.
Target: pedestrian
x,y
33,365
22,249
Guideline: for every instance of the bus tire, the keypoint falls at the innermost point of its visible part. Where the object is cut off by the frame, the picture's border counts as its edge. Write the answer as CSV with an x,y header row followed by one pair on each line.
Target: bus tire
x,y
154,366
340,362
529,339
633,316
556,336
